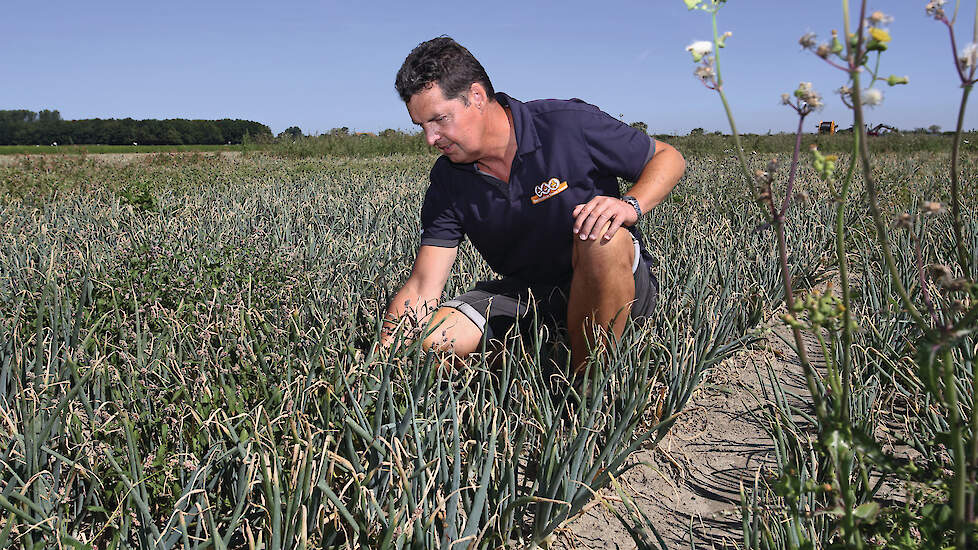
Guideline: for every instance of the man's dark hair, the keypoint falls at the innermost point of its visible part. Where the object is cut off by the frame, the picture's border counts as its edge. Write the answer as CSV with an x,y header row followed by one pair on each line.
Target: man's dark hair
x,y
445,62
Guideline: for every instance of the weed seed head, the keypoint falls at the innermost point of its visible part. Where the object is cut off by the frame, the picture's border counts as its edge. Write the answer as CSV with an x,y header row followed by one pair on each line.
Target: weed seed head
x,y
807,41
903,221
872,97
705,72
968,57
931,208
807,94
935,8
879,19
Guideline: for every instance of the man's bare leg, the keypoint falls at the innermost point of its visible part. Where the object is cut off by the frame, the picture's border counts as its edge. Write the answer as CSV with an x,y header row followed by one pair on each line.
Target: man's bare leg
x,y
602,291
454,332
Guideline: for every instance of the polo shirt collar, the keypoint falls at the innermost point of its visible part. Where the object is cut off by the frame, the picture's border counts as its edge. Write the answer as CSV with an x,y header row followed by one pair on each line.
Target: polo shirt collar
x,y
527,139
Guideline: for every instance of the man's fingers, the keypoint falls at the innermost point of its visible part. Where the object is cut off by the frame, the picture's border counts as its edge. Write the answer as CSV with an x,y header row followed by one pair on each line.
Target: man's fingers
x,y
613,228
587,222
581,212
593,224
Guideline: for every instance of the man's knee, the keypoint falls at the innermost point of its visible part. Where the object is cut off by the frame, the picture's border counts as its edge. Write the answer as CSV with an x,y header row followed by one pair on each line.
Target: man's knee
x,y
452,331
603,256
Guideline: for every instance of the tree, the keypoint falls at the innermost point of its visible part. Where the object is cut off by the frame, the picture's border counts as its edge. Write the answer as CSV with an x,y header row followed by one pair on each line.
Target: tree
x,y
639,125
934,128
696,132
293,132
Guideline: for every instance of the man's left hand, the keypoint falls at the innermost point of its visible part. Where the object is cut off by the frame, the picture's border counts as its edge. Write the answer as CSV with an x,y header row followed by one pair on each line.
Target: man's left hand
x,y
590,217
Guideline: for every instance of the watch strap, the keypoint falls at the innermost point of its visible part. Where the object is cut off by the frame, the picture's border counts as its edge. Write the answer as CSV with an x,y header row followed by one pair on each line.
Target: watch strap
x,y
634,202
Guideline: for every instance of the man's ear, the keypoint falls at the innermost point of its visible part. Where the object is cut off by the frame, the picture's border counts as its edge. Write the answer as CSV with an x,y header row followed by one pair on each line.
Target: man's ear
x,y
477,95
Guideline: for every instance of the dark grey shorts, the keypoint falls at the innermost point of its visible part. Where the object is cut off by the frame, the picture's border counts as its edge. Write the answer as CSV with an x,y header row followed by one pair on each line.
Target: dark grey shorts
x,y
496,306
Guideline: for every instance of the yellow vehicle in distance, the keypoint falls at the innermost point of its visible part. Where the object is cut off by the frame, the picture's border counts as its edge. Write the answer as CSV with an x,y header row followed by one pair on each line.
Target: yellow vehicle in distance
x,y
826,127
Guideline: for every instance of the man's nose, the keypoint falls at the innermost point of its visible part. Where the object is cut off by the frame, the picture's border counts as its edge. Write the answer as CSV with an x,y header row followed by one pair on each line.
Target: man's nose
x,y
431,137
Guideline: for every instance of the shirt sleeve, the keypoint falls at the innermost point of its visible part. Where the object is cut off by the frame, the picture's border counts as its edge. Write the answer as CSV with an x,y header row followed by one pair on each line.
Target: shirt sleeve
x,y
440,223
615,147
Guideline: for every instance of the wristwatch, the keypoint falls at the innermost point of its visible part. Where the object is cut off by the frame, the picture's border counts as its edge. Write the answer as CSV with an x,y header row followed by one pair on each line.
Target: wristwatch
x,y
634,202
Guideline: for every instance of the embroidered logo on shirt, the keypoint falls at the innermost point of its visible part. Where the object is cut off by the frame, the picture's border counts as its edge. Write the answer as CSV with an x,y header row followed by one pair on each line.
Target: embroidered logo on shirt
x,y
547,189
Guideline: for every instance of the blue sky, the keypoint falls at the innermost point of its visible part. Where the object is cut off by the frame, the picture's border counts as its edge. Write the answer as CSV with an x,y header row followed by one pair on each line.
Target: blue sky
x,y
321,65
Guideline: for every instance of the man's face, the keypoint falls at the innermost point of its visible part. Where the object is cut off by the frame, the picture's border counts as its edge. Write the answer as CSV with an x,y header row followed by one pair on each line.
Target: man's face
x,y
449,124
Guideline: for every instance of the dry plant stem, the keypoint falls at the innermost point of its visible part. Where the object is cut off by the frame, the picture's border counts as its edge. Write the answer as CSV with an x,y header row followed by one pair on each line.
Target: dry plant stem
x,y
794,166
958,487
970,513
843,262
963,256
954,48
789,298
772,217
966,83
850,529
873,194
924,293
726,107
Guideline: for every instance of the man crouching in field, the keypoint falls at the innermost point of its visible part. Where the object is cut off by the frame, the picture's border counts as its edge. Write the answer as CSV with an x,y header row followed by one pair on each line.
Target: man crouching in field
x,y
534,186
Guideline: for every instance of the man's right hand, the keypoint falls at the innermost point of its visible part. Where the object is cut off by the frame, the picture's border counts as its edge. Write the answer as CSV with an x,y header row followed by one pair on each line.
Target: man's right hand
x,y
421,293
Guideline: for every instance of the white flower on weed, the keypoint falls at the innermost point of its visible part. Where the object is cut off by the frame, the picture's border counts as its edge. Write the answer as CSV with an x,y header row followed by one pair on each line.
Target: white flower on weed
x,y
786,99
968,57
699,49
872,97
935,8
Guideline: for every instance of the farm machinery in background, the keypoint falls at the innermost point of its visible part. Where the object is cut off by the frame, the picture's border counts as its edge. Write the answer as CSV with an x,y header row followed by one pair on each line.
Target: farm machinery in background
x,y
828,127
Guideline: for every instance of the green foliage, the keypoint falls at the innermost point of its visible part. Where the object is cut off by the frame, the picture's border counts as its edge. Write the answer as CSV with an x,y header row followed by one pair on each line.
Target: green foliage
x,y
46,127
204,374
918,317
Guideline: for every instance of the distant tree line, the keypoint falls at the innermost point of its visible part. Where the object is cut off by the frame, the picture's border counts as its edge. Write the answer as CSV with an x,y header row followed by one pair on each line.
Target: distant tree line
x,y
23,127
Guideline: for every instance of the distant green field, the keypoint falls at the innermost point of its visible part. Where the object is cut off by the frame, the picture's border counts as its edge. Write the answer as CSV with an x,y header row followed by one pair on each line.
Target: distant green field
x,y
92,149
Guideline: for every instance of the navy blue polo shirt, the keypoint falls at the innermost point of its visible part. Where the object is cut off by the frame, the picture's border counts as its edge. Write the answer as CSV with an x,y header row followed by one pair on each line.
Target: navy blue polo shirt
x,y
568,152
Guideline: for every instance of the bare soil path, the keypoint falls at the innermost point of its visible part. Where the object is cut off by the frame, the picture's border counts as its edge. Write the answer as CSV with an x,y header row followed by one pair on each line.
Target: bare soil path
x,y
689,487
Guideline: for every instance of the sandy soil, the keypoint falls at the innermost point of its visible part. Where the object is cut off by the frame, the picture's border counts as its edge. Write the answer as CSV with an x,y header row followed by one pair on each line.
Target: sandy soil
x,y
690,485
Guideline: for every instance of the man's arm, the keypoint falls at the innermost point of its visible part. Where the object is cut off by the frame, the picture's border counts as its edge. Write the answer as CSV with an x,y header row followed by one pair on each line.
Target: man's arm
x,y
418,298
659,176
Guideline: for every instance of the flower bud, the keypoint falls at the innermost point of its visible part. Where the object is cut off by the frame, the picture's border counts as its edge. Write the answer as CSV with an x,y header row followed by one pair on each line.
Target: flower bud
x,y
894,80
722,41
836,45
